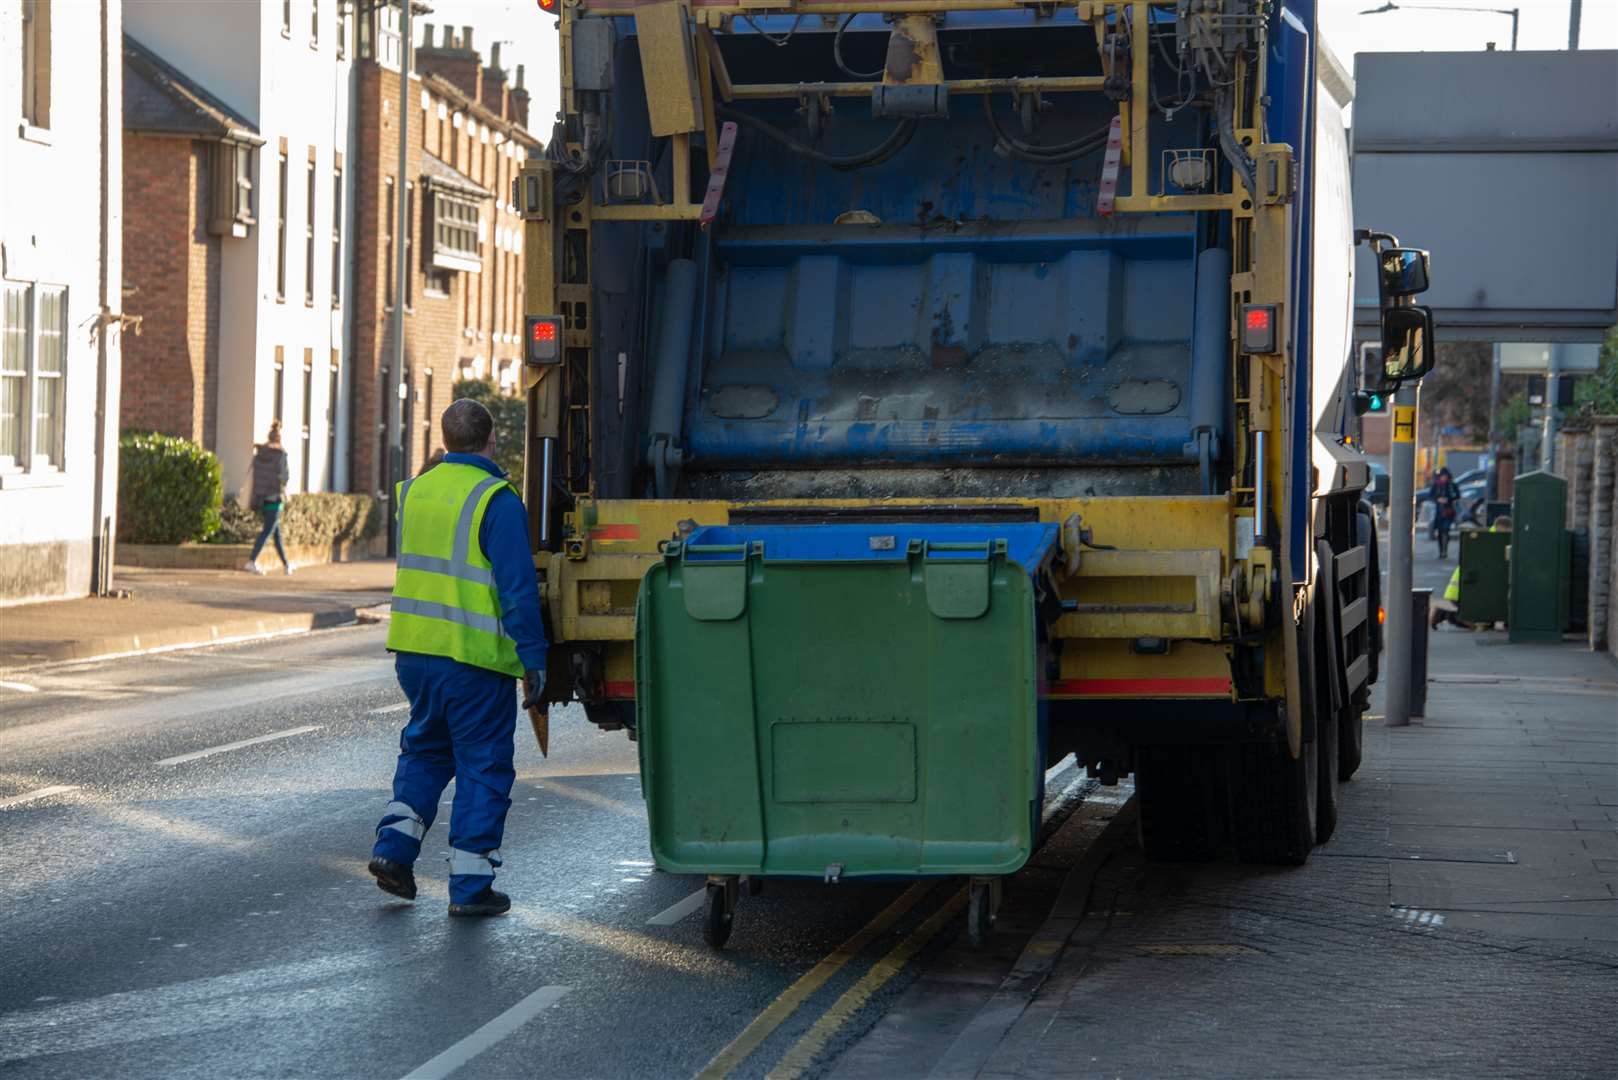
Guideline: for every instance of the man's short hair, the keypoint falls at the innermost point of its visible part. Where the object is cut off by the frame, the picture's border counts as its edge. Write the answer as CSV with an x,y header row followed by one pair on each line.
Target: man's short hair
x,y
466,427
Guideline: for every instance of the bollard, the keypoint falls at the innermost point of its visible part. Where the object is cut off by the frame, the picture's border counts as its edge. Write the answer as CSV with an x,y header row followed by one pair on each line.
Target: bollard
x,y
1421,601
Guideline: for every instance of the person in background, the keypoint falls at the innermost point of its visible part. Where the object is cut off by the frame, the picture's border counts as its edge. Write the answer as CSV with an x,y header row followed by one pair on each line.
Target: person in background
x,y
1446,611
465,623
1446,500
269,495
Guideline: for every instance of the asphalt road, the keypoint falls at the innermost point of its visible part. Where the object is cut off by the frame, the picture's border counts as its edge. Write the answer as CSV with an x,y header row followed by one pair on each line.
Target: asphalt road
x,y
191,900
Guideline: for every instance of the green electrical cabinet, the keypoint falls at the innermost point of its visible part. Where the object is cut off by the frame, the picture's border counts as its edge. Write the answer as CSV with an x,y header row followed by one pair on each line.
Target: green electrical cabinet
x,y
1485,575
1540,558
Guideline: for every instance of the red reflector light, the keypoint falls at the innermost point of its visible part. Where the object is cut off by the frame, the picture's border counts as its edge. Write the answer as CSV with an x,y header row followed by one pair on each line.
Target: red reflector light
x,y
547,5
1259,328
544,331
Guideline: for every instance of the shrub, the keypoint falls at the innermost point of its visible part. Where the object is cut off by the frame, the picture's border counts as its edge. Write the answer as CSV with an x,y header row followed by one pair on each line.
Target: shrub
x,y
313,520
169,490
510,420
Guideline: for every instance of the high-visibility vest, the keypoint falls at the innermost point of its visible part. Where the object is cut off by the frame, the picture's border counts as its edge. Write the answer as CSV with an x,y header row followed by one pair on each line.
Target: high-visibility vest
x,y
1452,591
445,602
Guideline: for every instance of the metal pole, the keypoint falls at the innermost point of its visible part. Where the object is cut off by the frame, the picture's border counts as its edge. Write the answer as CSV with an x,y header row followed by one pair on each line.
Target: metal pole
x,y
395,404
1574,11
1401,542
1492,486
1553,380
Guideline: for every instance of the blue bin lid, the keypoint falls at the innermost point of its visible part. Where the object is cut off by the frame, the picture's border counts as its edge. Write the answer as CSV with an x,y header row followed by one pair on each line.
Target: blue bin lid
x,y
1027,543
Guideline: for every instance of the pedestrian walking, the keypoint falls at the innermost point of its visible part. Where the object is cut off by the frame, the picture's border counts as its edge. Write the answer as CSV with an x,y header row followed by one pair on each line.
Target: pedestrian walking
x,y
1446,499
465,623
269,495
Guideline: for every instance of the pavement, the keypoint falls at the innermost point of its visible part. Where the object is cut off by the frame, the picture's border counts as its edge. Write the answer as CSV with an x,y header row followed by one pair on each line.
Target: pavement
x,y
170,609
1462,922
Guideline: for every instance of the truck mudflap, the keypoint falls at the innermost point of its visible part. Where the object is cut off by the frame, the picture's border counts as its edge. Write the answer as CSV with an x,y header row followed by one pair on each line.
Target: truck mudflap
x,y
842,701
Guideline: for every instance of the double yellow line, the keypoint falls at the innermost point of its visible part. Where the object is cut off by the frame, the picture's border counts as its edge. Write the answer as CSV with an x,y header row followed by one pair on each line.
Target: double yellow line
x,y
808,1047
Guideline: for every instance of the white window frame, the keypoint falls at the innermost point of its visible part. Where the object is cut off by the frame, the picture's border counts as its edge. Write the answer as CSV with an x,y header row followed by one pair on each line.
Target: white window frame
x,y
29,457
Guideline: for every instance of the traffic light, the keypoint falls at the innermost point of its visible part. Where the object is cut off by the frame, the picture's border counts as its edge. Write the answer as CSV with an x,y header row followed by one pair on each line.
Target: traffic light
x,y
1369,401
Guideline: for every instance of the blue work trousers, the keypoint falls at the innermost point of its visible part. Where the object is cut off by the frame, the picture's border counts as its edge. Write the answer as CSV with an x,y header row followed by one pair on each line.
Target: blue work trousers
x,y
463,721
270,514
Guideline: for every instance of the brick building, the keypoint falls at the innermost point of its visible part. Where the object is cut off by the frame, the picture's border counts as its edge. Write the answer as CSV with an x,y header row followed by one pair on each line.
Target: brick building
x,y
188,187
239,212
462,292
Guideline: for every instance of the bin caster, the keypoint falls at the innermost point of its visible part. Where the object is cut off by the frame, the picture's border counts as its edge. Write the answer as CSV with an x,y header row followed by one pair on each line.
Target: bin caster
x,y
753,884
982,903
721,911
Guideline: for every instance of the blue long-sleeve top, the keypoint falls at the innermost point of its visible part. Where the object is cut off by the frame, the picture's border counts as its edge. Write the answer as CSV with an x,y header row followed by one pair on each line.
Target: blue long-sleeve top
x,y
504,538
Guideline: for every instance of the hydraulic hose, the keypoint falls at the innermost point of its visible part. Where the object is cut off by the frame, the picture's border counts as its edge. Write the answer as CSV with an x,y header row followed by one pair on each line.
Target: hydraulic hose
x,y
1241,162
1055,154
876,155
837,54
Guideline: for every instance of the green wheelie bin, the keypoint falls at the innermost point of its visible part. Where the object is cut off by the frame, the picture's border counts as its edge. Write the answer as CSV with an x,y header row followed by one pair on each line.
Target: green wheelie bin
x,y
842,702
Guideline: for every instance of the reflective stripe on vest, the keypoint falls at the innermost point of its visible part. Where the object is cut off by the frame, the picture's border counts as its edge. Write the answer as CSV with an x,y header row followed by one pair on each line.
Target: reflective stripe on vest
x,y
470,862
445,601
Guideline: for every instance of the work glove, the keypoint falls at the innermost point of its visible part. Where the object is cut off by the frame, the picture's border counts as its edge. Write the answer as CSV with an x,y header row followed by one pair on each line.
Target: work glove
x,y
533,687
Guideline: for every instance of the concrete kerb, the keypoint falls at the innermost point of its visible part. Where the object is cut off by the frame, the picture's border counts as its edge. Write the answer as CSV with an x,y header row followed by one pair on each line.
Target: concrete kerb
x,y
172,639
978,1042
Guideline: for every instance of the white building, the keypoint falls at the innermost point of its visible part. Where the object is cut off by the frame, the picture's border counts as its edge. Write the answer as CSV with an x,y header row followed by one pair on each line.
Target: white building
x,y
60,326
286,66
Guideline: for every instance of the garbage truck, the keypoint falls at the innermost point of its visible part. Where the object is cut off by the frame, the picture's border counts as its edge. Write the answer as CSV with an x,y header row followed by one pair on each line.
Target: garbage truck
x,y
921,391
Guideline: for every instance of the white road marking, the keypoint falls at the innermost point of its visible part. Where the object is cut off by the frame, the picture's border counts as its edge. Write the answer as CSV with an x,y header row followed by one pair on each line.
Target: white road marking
x,y
20,687
210,751
490,1034
674,913
42,793
401,707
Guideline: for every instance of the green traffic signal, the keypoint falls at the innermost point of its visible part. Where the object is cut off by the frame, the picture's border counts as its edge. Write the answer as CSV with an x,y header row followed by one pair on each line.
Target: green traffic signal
x,y
1369,401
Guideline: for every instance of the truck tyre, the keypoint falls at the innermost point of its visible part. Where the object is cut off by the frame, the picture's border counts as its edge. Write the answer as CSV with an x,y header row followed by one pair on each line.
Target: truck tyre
x,y
1181,803
1351,721
1274,804
1327,743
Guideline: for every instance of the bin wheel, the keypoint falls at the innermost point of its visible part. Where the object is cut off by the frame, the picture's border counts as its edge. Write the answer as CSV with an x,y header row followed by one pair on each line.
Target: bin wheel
x,y
980,913
753,884
719,916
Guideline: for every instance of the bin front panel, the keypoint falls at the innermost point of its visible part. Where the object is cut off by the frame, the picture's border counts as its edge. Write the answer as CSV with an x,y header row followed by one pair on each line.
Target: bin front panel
x,y
874,714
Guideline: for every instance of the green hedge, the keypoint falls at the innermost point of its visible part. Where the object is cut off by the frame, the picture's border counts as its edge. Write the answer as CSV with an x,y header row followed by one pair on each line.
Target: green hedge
x,y
169,490
313,520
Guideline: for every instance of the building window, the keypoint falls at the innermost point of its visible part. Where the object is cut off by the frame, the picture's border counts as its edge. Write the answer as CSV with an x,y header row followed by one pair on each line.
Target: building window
x,y
427,406
314,32
280,399
281,235
343,9
244,184
391,221
337,237
286,18
455,232
309,237
308,409
36,63
331,423
410,246
33,376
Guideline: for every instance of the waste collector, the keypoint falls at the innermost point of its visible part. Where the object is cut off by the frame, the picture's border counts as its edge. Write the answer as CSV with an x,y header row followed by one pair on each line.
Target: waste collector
x,y
465,623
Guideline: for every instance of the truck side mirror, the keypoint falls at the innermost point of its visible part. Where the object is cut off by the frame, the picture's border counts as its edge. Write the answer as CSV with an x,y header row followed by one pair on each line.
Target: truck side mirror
x,y
1403,272
1407,344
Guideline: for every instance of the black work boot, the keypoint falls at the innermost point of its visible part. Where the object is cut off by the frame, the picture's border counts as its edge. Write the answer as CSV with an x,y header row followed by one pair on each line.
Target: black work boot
x,y
487,902
393,877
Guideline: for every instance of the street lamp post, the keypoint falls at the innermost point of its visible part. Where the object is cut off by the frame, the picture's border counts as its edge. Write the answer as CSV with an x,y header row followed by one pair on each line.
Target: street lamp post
x,y
1391,6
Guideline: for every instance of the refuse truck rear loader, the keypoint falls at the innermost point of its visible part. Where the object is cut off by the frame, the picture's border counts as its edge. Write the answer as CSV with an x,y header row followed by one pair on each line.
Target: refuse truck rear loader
x,y
920,391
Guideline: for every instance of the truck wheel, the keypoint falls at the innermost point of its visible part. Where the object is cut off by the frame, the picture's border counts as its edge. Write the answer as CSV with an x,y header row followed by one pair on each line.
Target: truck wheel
x,y
1327,757
1351,722
1181,803
1274,802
